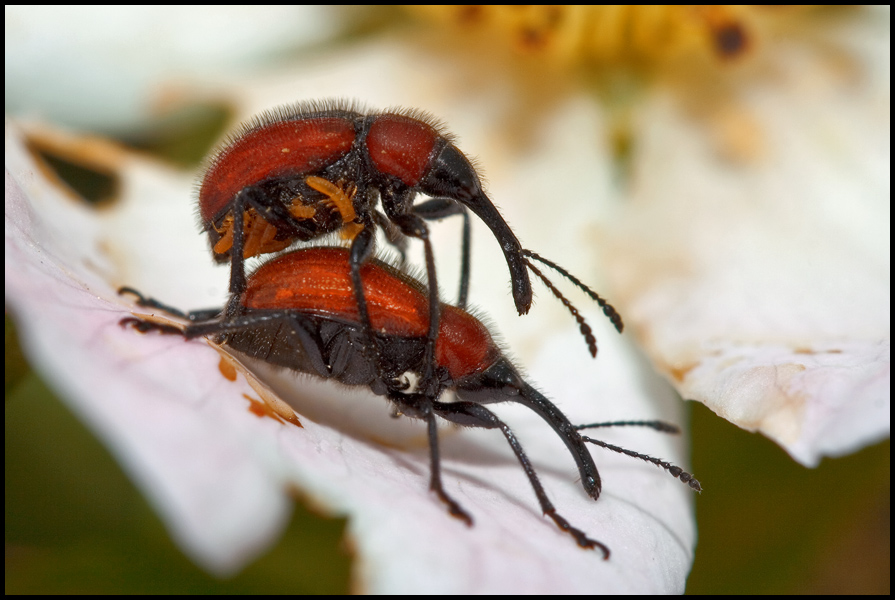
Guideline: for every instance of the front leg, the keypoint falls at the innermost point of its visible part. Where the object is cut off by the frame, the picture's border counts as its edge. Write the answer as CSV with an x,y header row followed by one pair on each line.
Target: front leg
x,y
413,225
470,414
393,235
273,211
419,406
361,249
440,208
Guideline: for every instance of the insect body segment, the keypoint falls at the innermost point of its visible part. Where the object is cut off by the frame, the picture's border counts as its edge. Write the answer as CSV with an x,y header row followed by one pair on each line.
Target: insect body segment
x,y
402,147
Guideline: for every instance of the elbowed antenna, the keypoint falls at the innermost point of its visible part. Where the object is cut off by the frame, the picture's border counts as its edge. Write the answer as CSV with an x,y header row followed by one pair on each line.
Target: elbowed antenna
x,y
660,426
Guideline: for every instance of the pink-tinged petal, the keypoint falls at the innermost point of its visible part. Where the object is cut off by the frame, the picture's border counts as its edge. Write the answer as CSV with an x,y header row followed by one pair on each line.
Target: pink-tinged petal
x,y
154,401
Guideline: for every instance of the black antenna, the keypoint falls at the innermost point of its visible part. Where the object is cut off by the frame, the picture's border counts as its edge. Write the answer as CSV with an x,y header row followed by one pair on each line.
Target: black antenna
x,y
585,329
608,309
662,426
657,425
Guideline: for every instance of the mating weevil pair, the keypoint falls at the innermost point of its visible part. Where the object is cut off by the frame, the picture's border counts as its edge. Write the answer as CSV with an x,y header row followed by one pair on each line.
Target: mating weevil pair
x,y
342,314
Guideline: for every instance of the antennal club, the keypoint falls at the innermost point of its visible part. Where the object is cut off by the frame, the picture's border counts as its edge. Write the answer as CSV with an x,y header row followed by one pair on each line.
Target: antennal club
x,y
661,426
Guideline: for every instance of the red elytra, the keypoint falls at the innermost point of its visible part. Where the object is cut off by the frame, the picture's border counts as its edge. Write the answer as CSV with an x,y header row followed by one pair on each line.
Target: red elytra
x,y
317,281
271,150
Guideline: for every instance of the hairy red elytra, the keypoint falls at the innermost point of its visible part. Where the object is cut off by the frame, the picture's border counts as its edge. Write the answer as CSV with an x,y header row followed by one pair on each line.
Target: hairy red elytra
x,y
285,175
296,312
279,149
317,281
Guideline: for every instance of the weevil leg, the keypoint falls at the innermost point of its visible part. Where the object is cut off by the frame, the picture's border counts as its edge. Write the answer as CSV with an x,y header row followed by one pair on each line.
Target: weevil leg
x,y
237,260
440,208
147,326
203,314
435,484
590,477
470,414
393,235
275,213
413,226
310,345
420,406
361,249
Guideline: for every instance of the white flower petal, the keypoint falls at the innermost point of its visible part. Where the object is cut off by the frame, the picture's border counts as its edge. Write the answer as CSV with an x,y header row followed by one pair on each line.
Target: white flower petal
x,y
761,286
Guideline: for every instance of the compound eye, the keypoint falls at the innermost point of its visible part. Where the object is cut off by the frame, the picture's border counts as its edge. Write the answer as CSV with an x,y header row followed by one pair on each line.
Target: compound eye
x,y
512,385
451,175
502,371
498,383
